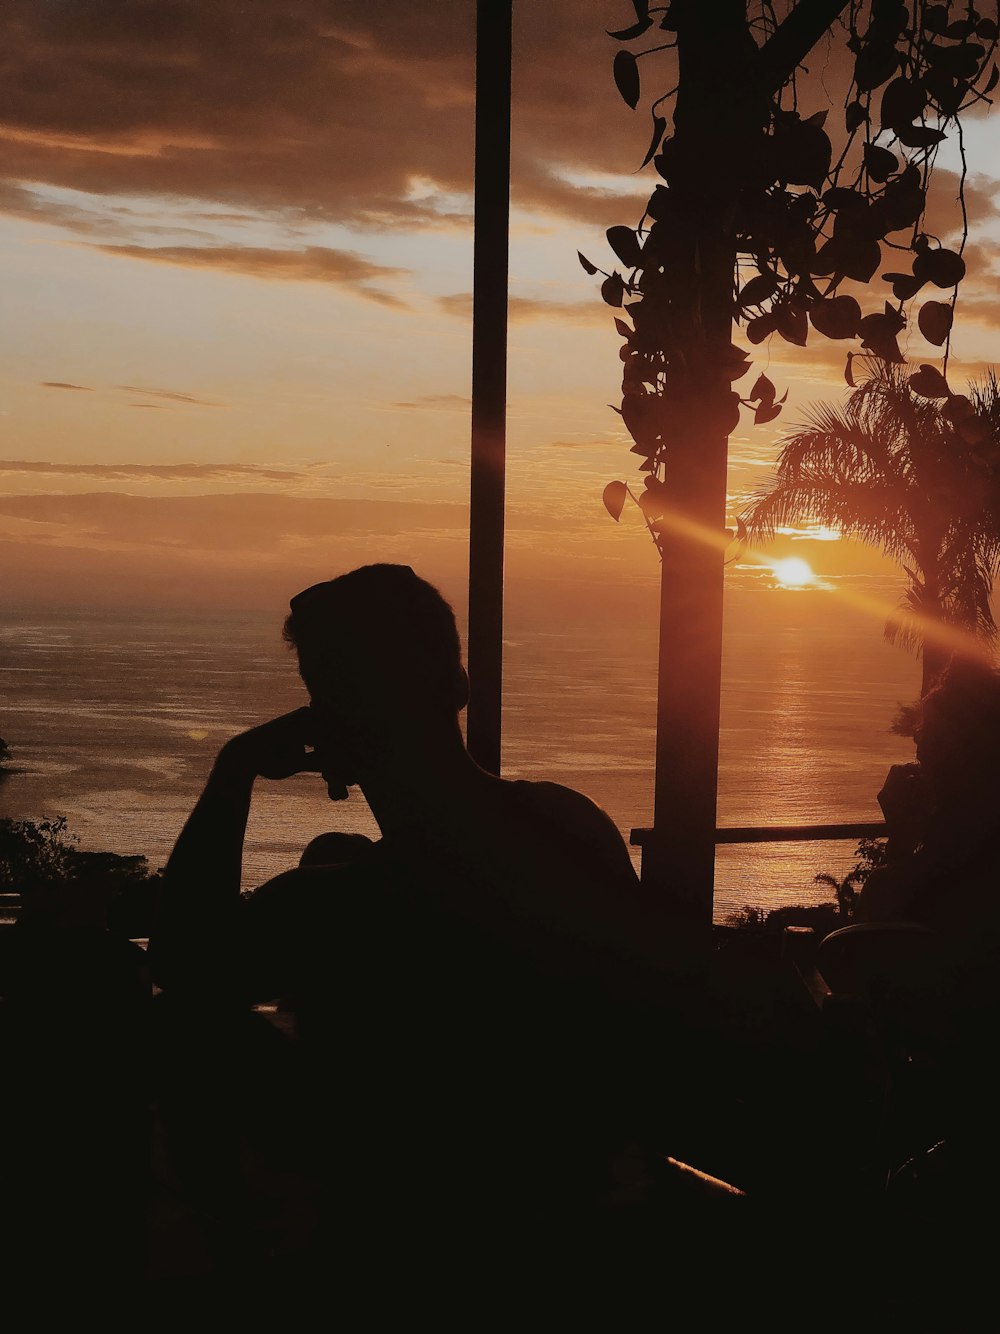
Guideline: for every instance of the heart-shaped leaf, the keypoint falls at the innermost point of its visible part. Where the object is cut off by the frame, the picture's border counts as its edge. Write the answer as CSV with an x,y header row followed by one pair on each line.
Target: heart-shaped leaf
x,y
613,290
626,75
766,413
653,500
802,152
902,102
762,389
792,324
929,383
759,289
935,320
859,257
943,268
904,285
643,415
876,63
936,18
624,242
586,264
919,136
880,163
761,327
614,499
836,317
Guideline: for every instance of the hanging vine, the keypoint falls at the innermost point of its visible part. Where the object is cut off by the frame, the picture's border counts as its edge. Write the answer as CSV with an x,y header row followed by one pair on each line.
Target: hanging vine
x,y
807,222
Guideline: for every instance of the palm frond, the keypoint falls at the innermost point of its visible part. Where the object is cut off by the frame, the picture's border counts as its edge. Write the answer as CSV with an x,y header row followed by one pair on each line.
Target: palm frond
x,y
905,627
888,468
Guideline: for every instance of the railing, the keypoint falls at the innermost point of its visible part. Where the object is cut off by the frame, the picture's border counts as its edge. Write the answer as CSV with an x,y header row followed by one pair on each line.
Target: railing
x,y
782,833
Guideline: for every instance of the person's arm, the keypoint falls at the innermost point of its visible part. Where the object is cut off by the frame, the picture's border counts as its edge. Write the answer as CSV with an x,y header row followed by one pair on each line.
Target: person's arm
x,y
200,895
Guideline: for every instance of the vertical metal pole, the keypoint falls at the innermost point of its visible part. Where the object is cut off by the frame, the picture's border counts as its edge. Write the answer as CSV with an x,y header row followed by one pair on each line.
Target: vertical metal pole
x,y
489,379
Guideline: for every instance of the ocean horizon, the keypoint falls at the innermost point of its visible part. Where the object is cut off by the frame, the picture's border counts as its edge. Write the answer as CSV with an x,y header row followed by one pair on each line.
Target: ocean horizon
x,y
113,719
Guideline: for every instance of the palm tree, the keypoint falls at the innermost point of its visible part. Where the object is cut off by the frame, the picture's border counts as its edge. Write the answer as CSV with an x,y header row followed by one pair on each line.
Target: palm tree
x,y
893,469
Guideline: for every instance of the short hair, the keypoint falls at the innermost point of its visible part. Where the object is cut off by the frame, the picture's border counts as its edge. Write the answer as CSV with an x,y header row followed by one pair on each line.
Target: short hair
x,y
379,624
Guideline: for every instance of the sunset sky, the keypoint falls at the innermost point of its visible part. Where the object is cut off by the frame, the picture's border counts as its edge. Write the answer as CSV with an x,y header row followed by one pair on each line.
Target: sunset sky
x,y
236,253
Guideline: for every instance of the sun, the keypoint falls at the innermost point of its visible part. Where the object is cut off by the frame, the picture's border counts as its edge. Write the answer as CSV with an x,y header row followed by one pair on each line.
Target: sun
x,y
793,573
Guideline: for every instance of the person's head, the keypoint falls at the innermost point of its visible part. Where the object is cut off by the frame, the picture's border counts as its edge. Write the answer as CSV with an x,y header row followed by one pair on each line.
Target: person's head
x,y
957,726
379,650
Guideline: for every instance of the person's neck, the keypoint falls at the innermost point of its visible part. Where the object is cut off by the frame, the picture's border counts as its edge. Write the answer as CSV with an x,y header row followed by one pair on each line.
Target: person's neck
x,y
425,787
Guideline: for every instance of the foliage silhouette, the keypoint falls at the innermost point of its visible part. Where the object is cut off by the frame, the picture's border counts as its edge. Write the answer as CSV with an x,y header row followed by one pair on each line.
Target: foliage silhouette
x,y
870,854
803,217
894,469
34,853
61,884
823,917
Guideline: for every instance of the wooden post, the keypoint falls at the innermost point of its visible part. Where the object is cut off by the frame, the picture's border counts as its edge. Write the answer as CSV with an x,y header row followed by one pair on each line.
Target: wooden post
x,y
678,861
723,86
489,380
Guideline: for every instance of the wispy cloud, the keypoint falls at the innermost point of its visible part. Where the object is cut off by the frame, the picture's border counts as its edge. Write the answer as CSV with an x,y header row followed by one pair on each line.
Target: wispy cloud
x,y
524,308
63,384
165,472
437,402
345,268
172,394
585,442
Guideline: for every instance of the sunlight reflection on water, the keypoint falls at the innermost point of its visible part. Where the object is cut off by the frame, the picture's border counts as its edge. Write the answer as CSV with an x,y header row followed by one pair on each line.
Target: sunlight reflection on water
x,y
116,720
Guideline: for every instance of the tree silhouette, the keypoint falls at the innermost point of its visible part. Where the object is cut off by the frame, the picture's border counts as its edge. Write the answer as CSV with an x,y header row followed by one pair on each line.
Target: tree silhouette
x,y
766,219
892,469
807,221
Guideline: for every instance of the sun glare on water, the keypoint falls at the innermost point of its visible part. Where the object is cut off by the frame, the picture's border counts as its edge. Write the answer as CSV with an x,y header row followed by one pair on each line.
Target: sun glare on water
x,y
793,573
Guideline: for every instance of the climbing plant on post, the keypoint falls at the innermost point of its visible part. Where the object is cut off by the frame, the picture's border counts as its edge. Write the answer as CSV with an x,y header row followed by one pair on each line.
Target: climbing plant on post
x,y
771,218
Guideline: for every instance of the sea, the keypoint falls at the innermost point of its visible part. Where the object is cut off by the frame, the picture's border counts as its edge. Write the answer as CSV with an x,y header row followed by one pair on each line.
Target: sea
x,y
113,719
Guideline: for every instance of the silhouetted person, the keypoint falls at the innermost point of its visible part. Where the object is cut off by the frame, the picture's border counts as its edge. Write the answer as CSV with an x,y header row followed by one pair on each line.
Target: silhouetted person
x,y
477,988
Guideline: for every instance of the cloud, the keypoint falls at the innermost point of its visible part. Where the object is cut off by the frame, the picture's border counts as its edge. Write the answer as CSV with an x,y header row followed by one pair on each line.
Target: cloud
x,y
522,308
170,394
313,264
17,201
316,113
437,402
584,443
166,472
321,113
63,384
246,521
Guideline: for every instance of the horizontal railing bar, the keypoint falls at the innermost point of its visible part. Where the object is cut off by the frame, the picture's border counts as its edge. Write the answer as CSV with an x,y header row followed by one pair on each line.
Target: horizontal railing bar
x,y
787,833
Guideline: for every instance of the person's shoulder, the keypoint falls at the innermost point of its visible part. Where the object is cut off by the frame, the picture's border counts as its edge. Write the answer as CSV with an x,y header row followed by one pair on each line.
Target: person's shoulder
x,y
579,821
565,804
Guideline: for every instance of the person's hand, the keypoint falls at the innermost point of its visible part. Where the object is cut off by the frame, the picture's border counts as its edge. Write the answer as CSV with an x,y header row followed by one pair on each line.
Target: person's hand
x,y
276,749
907,802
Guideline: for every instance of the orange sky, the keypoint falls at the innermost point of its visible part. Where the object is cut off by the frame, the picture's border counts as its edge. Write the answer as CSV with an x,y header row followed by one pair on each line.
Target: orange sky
x,y
236,254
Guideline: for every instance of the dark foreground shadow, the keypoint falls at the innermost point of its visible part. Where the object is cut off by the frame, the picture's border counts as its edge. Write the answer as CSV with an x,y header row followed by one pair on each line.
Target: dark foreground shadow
x,y
188,1156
